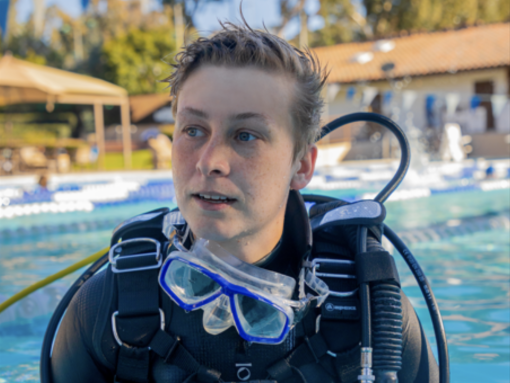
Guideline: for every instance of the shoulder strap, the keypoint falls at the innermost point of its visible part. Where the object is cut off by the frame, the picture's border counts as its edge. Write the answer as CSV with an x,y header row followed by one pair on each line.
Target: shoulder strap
x,y
135,263
138,324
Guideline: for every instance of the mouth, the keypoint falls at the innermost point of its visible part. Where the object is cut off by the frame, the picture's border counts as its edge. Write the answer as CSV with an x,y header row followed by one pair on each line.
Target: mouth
x,y
214,198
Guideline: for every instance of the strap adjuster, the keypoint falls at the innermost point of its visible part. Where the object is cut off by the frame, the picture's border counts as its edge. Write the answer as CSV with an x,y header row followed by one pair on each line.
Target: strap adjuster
x,y
116,334
316,265
115,253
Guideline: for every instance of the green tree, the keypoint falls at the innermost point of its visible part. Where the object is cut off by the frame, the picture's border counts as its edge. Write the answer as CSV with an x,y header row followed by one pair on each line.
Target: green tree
x,y
135,60
344,22
121,44
387,17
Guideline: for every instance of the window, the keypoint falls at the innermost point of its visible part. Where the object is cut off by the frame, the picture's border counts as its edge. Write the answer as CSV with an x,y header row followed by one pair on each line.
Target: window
x,y
484,89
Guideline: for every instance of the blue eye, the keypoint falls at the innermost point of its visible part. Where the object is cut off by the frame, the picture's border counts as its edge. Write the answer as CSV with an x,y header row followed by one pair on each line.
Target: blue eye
x,y
244,136
193,132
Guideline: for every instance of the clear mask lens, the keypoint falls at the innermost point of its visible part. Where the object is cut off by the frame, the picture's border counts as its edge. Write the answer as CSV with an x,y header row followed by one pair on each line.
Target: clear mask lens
x,y
190,284
259,318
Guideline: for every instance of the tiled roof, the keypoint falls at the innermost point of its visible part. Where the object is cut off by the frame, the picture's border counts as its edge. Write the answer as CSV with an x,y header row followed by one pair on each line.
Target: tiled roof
x,y
471,48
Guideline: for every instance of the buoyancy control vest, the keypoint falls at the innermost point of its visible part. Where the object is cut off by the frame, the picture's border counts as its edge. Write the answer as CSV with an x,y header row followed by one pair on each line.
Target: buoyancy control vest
x,y
347,254
144,330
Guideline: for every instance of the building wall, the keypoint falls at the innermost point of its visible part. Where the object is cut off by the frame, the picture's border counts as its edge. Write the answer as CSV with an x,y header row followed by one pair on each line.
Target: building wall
x,y
461,84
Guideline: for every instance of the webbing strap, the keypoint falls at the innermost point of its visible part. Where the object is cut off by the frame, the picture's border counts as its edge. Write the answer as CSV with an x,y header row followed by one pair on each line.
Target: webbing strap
x,y
309,351
323,247
138,325
138,293
281,370
133,365
138,317
376,266
174,353
169,348
312,349
133,362
348,366
164,345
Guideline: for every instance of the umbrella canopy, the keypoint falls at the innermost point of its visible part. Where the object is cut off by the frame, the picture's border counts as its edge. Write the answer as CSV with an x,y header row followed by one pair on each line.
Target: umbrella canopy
x,y
24,82
21,81
144,104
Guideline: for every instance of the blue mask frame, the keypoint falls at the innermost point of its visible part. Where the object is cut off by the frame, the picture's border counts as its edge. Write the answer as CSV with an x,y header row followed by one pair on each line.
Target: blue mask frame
x,y
230,290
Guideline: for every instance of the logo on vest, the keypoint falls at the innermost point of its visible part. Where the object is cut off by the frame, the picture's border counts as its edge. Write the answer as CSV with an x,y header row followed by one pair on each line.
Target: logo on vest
x,y
243,372
332,307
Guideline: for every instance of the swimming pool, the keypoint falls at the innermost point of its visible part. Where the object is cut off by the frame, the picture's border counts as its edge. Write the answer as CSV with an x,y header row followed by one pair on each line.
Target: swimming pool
x,y
469,273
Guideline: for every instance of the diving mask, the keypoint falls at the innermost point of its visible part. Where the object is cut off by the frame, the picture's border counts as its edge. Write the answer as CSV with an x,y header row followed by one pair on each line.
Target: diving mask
x,y
235,293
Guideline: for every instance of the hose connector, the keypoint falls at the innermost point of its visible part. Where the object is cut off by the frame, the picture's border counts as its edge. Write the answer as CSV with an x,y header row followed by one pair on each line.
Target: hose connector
x,y
366,366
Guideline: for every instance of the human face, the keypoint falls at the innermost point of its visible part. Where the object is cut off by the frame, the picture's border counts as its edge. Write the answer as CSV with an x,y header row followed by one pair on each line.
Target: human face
x,y
232,157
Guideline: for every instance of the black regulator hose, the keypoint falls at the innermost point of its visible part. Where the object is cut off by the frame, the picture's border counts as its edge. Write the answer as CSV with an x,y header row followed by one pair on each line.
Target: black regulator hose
x,y
385,356
57,316
405,158
437,321
386,317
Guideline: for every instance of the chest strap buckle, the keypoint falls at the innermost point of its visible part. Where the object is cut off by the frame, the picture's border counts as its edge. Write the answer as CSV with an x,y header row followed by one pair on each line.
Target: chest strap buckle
x,y
334,268
122,252
116,334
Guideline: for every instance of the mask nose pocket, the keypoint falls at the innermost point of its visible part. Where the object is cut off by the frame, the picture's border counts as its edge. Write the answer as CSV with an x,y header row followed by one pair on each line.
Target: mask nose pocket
x,y
217,315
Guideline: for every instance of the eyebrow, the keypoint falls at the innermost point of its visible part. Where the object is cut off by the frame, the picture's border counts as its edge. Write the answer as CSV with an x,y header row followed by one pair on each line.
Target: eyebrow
x,y
238,117
194,112
247,116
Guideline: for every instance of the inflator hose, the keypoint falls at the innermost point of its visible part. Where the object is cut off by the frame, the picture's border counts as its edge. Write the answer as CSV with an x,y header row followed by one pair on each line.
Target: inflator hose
x,y
52,278
364,293
437,321
57,316
405,158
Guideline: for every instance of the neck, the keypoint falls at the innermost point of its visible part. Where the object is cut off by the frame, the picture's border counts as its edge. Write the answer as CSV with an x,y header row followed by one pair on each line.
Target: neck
x,y
252,247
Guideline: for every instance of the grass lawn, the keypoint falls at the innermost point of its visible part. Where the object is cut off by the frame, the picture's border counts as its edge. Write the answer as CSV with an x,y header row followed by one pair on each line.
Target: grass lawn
x,y
141,160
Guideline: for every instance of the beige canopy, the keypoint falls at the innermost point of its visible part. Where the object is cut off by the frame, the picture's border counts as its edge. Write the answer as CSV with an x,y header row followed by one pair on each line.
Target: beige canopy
x,y
24,82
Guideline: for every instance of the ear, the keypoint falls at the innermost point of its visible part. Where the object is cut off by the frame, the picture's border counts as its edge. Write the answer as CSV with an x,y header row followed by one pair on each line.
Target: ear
x,y
304,168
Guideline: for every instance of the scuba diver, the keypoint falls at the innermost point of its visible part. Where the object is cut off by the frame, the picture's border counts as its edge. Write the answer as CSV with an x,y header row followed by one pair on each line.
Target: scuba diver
x,y
241,283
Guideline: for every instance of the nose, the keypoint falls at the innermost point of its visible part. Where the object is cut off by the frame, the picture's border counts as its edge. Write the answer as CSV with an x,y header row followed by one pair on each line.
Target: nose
x,y
214,159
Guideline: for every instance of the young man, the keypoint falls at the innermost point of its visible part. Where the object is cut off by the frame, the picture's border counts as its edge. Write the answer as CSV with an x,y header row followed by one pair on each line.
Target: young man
x,y
247,108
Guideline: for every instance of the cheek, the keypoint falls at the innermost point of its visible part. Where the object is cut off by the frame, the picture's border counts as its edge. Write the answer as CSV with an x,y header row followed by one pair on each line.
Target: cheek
x,y
182,164
266,178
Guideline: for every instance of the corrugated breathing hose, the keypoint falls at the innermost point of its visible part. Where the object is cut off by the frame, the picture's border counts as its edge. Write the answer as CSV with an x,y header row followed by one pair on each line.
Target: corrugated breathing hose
x,y
386,332
386,326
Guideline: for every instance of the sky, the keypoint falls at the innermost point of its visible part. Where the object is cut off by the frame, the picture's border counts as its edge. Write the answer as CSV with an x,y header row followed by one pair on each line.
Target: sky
x,y
256,13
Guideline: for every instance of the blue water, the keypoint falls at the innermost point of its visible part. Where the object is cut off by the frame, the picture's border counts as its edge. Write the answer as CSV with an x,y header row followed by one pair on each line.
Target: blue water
x,y
469,274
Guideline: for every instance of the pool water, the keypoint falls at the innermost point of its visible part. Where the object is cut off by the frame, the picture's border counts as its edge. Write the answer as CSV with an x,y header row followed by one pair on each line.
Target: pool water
x,y
469,274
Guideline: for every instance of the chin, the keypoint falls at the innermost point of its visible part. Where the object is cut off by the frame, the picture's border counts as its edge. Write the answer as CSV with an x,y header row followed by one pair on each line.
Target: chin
x,y
212,231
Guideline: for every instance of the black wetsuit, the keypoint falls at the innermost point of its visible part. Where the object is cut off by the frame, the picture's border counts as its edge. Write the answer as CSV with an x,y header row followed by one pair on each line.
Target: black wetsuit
x,y
85,349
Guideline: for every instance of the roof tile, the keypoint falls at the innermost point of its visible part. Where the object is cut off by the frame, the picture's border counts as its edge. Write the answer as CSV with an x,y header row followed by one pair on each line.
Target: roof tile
x,y
471,48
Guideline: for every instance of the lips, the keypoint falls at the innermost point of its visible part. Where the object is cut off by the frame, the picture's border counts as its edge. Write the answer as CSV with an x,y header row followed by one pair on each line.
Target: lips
x,y
214,198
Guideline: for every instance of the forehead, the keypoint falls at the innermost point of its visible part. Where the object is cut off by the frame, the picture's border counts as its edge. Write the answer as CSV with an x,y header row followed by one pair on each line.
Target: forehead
x,y
221,91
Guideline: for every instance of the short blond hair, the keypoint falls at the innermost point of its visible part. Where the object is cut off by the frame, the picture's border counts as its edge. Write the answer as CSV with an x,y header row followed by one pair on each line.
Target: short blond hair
x,y
241,46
